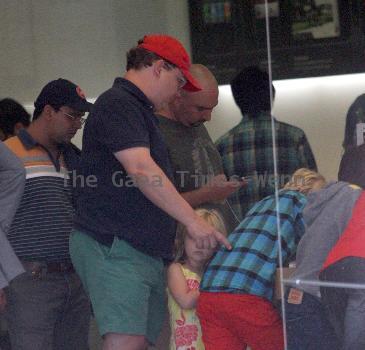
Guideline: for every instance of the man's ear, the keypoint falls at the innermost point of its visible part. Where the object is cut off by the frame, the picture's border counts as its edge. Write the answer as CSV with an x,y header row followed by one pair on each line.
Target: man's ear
x,y
48,112
157,67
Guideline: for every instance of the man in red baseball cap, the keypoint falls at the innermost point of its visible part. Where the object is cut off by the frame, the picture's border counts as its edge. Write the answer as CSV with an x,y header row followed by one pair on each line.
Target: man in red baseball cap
x,y
125,224
172,51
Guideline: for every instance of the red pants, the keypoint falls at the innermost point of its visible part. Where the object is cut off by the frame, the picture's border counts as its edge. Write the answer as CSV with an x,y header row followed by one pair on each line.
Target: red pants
x,y
233,321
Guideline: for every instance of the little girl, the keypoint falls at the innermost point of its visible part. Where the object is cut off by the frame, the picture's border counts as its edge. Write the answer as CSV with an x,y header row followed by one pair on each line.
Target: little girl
x,y
183,280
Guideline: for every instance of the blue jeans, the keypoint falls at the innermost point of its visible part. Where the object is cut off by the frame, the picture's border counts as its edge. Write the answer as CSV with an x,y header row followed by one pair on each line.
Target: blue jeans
x,y
346,306
308,327
49,311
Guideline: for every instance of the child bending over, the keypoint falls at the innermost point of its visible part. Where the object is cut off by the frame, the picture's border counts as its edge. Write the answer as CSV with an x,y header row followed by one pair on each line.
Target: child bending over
x,y
234,307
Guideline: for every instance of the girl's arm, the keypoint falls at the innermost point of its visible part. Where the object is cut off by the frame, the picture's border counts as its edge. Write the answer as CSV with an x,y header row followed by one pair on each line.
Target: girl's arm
x,y
179,289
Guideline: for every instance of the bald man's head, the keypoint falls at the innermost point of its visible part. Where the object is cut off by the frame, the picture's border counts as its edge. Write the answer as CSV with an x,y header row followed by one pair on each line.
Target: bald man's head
x,y
195,108
205,77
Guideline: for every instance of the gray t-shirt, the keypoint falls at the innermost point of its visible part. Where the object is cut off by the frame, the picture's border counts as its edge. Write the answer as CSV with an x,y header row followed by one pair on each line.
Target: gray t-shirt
x,y
194,159
326,216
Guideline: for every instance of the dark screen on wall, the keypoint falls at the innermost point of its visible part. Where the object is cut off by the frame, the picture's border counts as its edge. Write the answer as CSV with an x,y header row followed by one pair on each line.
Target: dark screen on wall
x,y
308,37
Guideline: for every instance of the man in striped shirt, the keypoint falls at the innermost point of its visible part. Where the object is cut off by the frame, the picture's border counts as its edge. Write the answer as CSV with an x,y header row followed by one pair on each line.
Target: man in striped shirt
x,y
235,307
47,307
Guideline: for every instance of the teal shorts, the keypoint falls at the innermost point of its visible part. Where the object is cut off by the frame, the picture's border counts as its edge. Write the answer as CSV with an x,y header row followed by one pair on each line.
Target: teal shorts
x,y
125,286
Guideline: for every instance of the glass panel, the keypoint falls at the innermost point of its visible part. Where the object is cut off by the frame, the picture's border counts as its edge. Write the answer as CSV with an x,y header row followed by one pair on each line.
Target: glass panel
x,y
313,52
324,288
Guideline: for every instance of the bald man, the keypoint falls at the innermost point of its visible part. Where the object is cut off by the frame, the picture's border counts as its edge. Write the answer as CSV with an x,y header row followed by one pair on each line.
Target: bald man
x,y
196,162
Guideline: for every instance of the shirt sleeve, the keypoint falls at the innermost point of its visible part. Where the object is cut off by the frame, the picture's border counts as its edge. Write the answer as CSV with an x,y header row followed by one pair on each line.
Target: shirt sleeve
x,y
12,181
120,127
306,156
352,166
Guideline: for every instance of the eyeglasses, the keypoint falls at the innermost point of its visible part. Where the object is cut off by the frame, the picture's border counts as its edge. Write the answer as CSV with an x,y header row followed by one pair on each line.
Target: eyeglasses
x,y
74,118
181,81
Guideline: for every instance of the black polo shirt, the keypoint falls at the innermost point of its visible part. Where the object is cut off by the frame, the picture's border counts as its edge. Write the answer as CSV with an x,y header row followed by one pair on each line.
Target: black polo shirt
x,y
108,204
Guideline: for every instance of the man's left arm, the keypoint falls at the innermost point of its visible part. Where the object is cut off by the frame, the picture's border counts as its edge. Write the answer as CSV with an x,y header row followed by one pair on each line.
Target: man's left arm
x,y
2,300
12,181
218,189
306,156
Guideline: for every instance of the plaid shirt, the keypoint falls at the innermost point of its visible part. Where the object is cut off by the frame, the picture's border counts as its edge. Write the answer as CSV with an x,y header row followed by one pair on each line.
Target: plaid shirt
x,y
250,266
247,151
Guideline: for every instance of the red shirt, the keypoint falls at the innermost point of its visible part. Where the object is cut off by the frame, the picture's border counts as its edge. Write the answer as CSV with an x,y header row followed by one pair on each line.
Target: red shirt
x,y
352,241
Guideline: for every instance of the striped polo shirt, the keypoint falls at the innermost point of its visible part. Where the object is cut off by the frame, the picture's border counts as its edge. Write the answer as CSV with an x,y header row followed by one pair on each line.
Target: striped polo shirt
x,y
44,219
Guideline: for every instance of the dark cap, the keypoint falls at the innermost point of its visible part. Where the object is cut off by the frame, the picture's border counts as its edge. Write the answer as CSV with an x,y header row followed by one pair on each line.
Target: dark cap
x,y
62,92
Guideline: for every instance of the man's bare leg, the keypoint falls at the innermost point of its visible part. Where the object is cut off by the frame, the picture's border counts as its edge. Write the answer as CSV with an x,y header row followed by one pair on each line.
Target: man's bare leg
x,y
116,341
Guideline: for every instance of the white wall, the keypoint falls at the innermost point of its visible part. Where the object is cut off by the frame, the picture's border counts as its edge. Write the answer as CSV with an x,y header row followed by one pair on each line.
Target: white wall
x,y
86,41
81,40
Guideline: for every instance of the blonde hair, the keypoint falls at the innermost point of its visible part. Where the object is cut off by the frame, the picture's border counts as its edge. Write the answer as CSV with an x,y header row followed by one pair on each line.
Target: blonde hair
x,y
304,180
211,216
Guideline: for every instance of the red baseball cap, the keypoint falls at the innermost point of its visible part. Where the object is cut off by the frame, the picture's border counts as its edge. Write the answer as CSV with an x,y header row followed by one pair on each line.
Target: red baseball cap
x,y
171,50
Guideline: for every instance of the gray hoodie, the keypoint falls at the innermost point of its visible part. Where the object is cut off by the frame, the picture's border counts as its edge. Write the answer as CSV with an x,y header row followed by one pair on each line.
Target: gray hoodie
x,y
326,216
